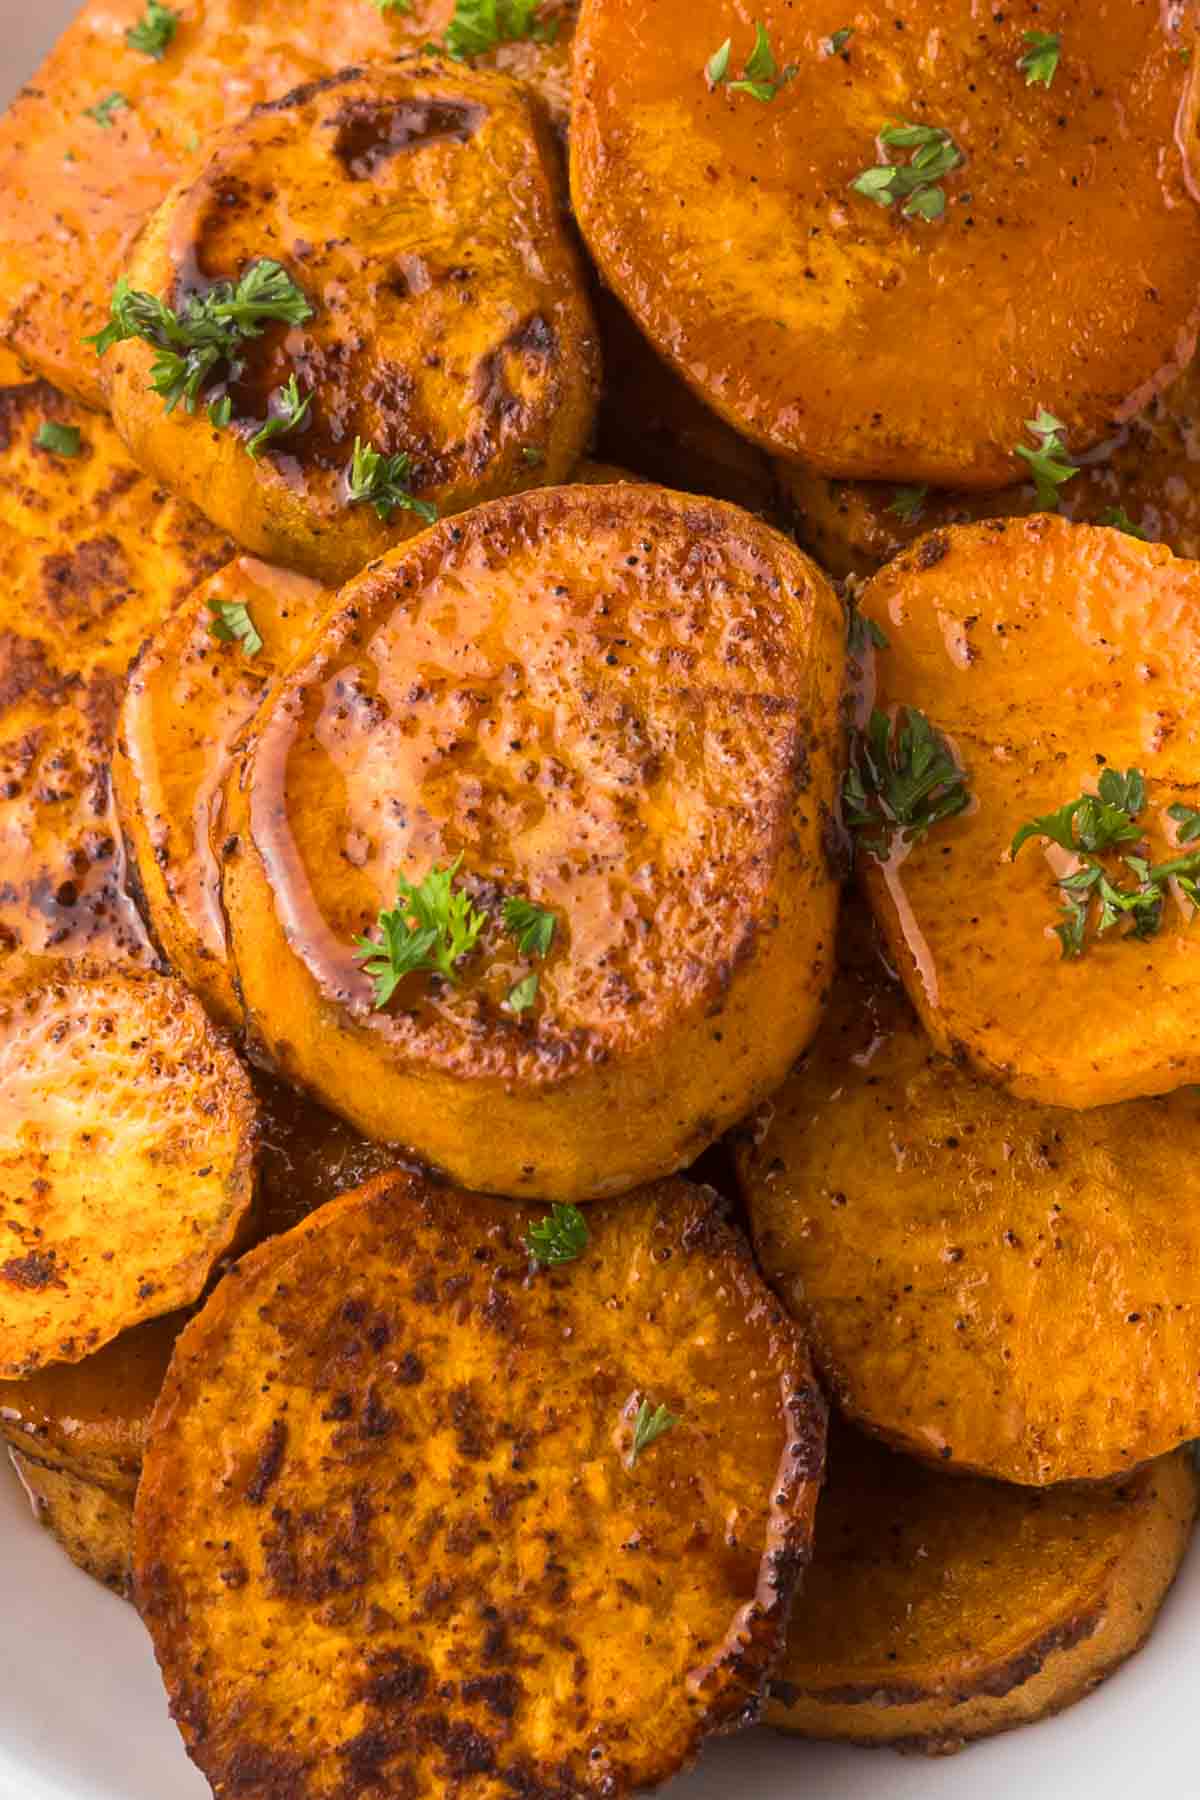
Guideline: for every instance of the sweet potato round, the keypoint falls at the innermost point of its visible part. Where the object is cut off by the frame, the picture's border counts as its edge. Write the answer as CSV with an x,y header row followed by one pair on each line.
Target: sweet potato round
x,y
937,1611
91,1525
618,702
126,1157
831,329
189,695
1042,650
418,207
391,1527
1007,1288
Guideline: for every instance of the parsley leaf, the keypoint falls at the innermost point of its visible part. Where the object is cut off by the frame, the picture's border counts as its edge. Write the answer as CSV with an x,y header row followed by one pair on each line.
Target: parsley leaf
x,y
1188,821
532,926
431,928
908,501
1093,822
104,109
1048,463
902,780
561,1237
383,482
649,1423
482,25
154,34
199,343
1119,519
837,41
762,77
290,412
1040,61
522,994
232,624
934,155
220,411
59,440
862,633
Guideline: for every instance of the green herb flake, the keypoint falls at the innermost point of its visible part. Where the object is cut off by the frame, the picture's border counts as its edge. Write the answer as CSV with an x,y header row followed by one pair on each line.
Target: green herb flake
x,y
232,624
480,26
1040,60
104,109
1119,520
837,41
761,77
649,1424
907,502
290,412
155,32
902,781
1188,821
392,6
1048,463
934,155
522,994
532,926
56,439
560,1237
863,633
383,482
431,929
220,411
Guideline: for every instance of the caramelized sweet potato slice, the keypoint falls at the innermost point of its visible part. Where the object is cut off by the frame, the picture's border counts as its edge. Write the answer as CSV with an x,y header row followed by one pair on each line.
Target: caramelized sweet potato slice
x,y
418,211
1150,473
833,329
616,704
126,1157
94,555
189,695
92,1525
1007,1288
1045,652
392,1520
74,193
937,1611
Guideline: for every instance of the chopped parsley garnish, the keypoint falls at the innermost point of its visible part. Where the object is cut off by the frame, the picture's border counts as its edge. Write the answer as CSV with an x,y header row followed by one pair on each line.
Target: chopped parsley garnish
x,y
522,994
431,928
532,926
200,342
1097,823
561,1237
59,440
837,41
1119,519
1040,60
154,34
290,411
1048,464
761,76
908,501
649,1423
104,109
232,624
934,155
383,482
862,632
479,26
220,411
1188,821
902,781
390,6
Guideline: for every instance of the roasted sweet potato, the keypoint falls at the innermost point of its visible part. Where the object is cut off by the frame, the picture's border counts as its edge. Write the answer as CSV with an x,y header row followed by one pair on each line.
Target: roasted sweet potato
x,y
1150,473
1045,652
418,210
1006,1288
126,1157
393,1528
651,421
937,1611
94,1527
828,327
189,695
74,192
616,704
94,555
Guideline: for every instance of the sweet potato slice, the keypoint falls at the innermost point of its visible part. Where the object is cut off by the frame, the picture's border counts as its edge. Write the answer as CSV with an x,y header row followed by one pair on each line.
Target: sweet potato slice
x,y
126,1157
94,555
836,330
393,1530
1009,1288
1150,474
616,703
1044,651
937,1611
93,1526
418,210
189,695
74,193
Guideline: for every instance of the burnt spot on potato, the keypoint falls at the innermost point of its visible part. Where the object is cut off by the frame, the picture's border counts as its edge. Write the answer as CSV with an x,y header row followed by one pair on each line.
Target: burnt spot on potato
x,y
367,133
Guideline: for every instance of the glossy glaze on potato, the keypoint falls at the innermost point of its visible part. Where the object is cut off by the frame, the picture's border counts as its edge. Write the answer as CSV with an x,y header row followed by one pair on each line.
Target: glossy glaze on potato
x,y
74,194
95,554
1044,651
188,697
392,1521
829,328
619,703
939,1610
1150,471
992,1285
419,210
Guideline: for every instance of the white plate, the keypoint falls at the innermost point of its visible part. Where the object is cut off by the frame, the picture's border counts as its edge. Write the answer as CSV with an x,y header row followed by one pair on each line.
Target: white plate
x,y
82,1715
